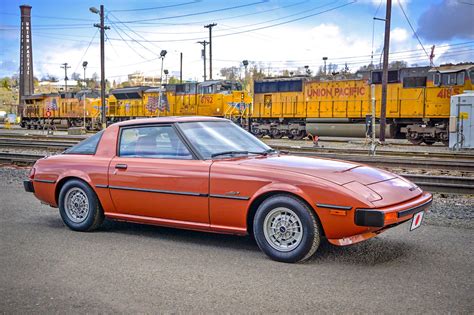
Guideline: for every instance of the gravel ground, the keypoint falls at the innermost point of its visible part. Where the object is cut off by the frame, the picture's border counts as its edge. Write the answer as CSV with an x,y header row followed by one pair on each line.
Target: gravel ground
x,y
133,268
446,210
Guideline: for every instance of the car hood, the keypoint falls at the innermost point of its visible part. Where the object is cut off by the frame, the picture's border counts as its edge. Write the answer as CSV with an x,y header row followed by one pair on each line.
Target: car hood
x,y
338,172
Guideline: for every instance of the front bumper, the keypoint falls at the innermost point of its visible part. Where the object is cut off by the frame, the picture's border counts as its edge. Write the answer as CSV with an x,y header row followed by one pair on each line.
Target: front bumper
x,y
383,217
380,220
28,185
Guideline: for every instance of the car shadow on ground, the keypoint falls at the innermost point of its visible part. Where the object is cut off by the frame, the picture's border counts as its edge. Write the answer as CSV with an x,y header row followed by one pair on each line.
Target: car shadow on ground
x,y
375,251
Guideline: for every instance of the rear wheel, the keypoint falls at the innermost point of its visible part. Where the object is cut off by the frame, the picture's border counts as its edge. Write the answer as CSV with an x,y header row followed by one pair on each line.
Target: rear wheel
x,y
286,229
79,206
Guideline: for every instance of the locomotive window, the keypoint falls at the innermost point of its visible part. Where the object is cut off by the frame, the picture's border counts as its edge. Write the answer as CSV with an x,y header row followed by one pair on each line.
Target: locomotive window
x,y
87,146
460,78
437,79
266,87
448,79
290,86
413,82
392,77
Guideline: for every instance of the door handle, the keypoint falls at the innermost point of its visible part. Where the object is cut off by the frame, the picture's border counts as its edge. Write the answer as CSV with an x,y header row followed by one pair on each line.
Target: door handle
x,y
121,166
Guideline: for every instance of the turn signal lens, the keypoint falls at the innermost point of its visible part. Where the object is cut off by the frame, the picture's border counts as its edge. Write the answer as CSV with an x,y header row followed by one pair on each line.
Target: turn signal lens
x,y
391,216
32,173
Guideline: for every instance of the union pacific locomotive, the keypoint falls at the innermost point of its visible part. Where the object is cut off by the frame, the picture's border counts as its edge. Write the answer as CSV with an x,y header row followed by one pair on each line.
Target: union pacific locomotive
x,y
418,104
211,98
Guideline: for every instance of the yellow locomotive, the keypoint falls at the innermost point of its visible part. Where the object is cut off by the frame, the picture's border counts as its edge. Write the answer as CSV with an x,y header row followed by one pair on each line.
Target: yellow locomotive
x,y
418,104
211,98
61,110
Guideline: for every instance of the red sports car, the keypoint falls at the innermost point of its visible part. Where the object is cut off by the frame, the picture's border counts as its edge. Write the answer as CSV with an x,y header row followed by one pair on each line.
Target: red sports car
x,y
208,174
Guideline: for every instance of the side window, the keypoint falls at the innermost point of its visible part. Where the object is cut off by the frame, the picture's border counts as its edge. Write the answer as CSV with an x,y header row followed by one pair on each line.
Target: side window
x,y
159,142
472,76
460,78
87,146
437,79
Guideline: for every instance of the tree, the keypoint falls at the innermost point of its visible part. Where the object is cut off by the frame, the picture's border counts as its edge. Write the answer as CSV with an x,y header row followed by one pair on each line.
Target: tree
x,y
50,78
173,80
230,73
75,76
397,65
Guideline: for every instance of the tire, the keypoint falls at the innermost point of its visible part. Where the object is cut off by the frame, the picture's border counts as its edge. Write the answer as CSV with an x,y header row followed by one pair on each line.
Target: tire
x,y
291,247
79,206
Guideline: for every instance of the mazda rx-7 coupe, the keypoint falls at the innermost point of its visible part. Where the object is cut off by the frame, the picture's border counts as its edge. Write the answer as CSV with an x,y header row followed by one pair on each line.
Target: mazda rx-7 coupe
x,y
208,174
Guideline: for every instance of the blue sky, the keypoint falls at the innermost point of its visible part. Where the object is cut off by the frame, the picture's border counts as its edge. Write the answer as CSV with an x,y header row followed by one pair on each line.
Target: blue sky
x,y
62,32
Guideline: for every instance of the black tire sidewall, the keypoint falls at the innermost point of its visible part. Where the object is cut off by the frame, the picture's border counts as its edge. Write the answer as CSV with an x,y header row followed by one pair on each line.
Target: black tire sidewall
x,y
93,206
307,222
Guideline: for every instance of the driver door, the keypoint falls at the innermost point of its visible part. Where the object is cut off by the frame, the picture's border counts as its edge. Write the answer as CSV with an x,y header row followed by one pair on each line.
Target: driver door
x,y
155,175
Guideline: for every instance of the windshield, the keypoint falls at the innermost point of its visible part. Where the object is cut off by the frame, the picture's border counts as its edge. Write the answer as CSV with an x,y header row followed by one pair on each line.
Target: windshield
x,y
221,138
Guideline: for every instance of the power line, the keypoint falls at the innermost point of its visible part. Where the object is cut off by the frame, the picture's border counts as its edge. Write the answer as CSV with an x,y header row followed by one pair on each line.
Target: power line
x,y
134,33
255,29
411,26
85,52
160,7
116,31
198,13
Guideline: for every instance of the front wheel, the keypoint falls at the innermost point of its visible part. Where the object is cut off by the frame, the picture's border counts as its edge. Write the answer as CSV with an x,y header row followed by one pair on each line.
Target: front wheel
x,y
286,229
79,206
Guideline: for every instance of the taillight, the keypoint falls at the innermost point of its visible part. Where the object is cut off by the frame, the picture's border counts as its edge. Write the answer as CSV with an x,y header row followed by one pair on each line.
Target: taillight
x,y
32,173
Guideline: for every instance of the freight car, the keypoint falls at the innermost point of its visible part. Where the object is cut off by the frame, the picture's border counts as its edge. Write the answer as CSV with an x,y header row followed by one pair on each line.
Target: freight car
x,y
418,104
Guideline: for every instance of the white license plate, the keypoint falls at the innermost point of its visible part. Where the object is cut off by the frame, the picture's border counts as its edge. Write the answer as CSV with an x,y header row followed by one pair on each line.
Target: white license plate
x,y
416,220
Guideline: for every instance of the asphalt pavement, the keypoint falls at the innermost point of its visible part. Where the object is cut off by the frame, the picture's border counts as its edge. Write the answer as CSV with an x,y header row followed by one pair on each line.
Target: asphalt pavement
x,y
132,268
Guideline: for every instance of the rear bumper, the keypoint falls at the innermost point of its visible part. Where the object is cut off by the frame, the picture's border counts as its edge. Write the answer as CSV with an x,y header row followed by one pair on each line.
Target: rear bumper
x,y
392,215
28,185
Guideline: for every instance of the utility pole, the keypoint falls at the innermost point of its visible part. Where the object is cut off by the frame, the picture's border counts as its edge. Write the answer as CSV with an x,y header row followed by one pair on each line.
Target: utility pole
x,y
210,26
65,67
180,67
102,28
204,43
383,108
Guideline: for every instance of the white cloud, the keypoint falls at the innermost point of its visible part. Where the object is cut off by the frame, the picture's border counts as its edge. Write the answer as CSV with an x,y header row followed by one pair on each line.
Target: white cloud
x,y
399,34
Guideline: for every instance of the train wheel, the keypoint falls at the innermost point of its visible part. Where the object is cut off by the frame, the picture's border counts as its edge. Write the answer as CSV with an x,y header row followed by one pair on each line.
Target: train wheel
x,y
416,141
299,135
429,141
276,134
414,138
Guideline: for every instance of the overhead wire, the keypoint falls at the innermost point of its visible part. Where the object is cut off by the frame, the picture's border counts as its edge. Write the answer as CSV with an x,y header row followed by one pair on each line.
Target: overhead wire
x,y
411,26
198,13
156,8
85,52
256,29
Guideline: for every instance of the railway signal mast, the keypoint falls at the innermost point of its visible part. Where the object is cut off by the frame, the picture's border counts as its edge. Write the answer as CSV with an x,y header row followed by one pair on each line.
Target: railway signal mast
x,y
102,28
383,109
65,67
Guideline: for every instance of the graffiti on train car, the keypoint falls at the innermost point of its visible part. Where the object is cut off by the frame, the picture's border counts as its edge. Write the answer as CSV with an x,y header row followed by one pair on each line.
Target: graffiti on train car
x,y
336,91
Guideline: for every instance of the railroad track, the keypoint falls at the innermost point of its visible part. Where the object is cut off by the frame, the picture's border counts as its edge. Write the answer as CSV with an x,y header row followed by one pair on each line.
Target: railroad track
x,y
451,161
442,184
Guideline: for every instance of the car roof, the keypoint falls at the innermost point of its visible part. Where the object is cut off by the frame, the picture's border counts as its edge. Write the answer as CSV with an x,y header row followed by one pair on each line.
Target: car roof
x,y
168,119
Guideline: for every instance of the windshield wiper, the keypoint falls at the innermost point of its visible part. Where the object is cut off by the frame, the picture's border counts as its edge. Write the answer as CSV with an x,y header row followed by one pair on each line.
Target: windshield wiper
x,y
228,153
264,153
